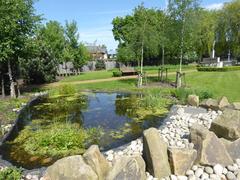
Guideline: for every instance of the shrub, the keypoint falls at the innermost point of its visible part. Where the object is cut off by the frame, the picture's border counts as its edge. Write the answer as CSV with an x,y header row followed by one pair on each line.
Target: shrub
x,y
216,69
100,65
117,74
11,173
182,94
66,89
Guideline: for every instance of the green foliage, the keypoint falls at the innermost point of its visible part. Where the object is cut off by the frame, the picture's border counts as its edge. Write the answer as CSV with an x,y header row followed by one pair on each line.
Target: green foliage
x,y
11,173
53,35
100,65
182,94
73,51
57,140
117,73
155,99
66,89
216,69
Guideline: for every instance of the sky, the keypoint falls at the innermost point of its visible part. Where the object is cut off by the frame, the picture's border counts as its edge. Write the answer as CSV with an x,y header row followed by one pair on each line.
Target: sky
x,y
94,17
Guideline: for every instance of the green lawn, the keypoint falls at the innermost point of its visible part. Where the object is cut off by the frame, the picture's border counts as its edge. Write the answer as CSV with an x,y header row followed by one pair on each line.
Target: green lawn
x,y
89,76
219,83
108,74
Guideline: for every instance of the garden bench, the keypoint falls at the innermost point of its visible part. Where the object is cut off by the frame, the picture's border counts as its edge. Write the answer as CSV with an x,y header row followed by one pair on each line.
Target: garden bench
x,y
126,71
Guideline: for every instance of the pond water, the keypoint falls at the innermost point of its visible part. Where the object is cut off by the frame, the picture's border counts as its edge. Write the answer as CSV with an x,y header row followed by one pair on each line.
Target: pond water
x,y
114,118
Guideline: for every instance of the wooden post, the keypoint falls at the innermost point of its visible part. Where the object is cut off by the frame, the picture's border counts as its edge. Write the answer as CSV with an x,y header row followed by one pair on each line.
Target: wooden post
x,y
166,74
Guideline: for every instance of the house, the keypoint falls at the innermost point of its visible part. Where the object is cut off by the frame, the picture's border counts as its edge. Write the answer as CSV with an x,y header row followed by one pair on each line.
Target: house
x,y
112,54
97,52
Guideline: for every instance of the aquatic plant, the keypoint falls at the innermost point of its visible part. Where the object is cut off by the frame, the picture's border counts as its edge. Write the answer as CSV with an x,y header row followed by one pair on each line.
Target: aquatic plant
x,y
11,173
57,140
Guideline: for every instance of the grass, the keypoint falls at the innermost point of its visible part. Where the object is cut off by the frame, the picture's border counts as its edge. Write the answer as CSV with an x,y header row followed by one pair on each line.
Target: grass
x,y
6,109
109,74
217,83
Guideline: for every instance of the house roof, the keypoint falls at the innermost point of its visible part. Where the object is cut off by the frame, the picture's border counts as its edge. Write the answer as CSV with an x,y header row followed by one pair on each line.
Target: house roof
x,y
97,49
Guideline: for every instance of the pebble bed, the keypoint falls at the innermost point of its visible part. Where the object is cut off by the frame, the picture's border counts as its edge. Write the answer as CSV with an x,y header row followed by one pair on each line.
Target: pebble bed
x,y
175,132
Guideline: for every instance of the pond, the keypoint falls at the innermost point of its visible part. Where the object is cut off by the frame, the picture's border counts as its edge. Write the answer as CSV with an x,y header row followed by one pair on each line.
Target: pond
x,y
66,125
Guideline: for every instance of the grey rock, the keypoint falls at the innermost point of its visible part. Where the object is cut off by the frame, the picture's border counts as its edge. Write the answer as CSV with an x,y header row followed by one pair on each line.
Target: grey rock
x,y
218,169
210,149
208,170
210,104
230,176
223,103
227,125
97,161
155,154
236,105
181,160
233,148
70,168
128,168
199,172
193,100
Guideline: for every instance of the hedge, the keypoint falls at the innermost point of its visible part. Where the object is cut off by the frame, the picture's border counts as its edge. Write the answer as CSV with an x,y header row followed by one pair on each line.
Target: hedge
x,y
216,69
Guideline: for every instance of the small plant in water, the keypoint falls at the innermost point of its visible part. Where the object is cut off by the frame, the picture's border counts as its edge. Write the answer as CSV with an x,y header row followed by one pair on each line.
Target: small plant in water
x,y
11,173
57,140
66,89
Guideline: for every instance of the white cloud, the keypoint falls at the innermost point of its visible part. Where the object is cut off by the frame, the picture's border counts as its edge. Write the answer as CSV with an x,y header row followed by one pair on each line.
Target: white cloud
x,y
215,6
103,35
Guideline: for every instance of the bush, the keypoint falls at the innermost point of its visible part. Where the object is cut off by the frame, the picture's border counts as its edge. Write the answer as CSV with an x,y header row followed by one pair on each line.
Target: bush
x,y
182,94
100,65
216,69
66,90
117,74
11,173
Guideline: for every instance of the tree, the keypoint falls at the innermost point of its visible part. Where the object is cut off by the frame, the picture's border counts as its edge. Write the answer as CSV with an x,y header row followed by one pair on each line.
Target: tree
x,y
179,11
53,35
137,33
39,65
16,25
73,51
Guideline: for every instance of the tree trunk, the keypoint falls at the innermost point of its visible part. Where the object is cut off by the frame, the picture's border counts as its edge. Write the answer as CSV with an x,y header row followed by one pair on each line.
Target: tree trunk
x,y
3,90
12,86
141,70
163,55
182,45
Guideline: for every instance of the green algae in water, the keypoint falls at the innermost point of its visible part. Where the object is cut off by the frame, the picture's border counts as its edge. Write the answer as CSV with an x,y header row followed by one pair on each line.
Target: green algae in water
x,y
60,126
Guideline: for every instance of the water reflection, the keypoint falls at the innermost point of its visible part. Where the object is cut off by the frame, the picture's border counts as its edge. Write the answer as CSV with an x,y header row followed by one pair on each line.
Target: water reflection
x,y
117,114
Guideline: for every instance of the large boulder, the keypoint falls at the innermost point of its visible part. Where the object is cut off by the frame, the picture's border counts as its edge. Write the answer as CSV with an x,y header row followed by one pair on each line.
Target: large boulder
x,y
97,161
193,100
210,104
155,154
233,148
70,168
223,103
210,149
236,105
227,125
128,168
181,160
